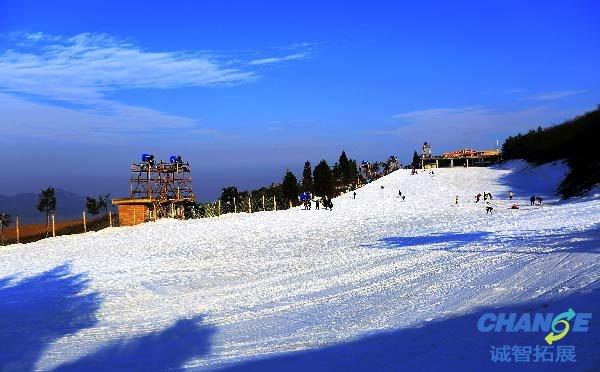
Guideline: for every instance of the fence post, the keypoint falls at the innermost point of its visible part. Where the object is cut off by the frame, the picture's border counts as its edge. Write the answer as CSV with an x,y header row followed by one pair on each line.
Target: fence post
x,y
84,225
263,198
234,205
134,215
274,203
53,227
249,205
109,218
18,230
219,207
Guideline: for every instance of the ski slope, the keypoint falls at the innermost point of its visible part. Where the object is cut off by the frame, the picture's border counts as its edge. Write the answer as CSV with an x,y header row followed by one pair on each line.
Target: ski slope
x,y
235,290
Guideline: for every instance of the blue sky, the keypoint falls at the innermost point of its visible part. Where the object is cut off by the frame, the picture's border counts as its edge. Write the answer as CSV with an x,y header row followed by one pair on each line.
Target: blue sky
x,y
245,90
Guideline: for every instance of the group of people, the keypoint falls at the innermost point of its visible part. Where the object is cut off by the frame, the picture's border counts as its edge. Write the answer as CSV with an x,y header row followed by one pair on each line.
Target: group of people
x,y
325,201
535,199
486,196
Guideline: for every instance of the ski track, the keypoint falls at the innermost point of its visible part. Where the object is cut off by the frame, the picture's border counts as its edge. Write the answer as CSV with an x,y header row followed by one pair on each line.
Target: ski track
x,y
290,280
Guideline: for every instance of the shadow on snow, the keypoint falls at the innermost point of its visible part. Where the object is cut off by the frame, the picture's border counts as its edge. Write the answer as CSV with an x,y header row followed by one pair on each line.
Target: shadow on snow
x,y
584,241
36,311
448,344
163,350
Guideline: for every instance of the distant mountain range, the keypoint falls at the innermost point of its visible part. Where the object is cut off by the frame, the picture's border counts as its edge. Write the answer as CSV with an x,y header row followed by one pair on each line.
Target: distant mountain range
x,y
68,206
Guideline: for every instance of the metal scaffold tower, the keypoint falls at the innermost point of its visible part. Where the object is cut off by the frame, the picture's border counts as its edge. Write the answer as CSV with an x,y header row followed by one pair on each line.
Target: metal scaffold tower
x,y
167,186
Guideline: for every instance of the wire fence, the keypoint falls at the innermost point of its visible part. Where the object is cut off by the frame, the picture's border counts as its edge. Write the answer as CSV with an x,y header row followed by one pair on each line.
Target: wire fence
x,y
17,233
28,233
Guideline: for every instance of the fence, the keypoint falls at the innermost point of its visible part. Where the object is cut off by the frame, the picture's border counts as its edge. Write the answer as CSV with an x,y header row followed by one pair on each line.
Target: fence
x,y
27,233
248,204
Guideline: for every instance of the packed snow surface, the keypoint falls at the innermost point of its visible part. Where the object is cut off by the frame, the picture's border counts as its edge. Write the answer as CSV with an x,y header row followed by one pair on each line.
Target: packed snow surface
x,y
257,285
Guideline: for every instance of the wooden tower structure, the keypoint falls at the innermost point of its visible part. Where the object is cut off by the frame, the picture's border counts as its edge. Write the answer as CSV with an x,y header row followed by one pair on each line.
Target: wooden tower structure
x,y
156,190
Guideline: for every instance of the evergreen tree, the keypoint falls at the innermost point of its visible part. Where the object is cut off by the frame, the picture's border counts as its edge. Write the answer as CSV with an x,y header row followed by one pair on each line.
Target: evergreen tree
x,y
104,203
5,221
353,172
289,186
345,169
324,180
228,196
338,175
92,206
416,161
307,179
47,204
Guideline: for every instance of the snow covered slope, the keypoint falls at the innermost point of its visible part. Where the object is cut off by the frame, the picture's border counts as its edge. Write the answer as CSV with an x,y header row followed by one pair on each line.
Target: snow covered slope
x,y
217,292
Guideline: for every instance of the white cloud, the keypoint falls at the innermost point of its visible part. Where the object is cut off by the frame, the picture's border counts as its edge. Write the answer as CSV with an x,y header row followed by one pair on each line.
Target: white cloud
x,y
265,61
43,76
84,67
551,96
112,122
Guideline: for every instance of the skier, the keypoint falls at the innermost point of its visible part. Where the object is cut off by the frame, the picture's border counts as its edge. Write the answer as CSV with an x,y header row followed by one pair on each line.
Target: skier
x,y
399,193
510,195
539,199
354,195
477,198
317,204
532,200
456,200
515,206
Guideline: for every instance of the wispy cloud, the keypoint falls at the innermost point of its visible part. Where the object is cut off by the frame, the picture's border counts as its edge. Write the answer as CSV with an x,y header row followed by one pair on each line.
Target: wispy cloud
x,y
551,96
470,126
113,121
438,113
83,68
57,87
265,61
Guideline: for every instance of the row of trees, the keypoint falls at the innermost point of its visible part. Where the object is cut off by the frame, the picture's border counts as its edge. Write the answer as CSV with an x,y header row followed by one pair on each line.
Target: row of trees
x,y
95,206
323,180
574,140
47,205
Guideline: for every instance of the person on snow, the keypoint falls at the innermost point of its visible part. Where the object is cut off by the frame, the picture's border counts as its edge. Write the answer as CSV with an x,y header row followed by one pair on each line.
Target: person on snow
x,y
354,195
510,195
488,208
515,206
456,200
477,198
317,202
532,200
539,199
